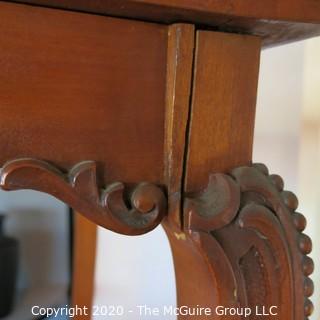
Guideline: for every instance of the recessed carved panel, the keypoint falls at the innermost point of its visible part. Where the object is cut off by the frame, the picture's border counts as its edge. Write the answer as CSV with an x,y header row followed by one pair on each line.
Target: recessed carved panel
x,y
254,223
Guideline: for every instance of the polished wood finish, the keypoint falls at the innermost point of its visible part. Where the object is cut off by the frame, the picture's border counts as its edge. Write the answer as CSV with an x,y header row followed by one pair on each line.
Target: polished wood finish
x,y
293,10
251,221
219,138
87,101
239,227
84,258
68,77
179,77
223,105
276,22
117,207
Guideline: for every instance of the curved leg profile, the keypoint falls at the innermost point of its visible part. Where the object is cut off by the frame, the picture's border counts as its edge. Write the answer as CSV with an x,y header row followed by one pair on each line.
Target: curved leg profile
x,y
243,248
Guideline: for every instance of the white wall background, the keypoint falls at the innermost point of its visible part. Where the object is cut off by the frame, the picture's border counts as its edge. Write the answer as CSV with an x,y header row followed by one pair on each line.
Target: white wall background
x,y
131,271
309,156
288,127
134,271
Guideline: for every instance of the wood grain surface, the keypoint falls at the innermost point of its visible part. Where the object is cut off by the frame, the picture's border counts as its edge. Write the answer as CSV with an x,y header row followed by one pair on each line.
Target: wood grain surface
x,y
246,227
286,10
276,22
84,258
179,77
220,133
223,105
77,87
164,104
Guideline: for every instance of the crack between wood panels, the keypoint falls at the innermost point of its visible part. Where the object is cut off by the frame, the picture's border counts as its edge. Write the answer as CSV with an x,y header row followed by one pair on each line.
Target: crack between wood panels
x,y
187,131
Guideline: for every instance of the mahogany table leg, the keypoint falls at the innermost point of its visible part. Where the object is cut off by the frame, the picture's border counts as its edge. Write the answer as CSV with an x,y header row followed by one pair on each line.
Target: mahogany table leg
x,y
239,244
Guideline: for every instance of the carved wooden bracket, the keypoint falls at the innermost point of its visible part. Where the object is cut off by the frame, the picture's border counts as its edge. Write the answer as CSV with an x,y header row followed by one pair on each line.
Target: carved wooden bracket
x,y
247,227
244,225
135,212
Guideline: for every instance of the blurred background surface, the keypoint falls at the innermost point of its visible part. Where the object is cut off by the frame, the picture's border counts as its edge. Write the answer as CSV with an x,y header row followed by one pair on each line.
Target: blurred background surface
x,y
41,225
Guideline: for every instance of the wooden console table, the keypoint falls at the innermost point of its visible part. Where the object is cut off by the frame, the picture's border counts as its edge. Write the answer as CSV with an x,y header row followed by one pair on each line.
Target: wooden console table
x,y
140,112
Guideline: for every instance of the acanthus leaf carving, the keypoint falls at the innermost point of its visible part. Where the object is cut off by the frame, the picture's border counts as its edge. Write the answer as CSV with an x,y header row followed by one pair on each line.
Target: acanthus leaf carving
x,y
253,220
113,207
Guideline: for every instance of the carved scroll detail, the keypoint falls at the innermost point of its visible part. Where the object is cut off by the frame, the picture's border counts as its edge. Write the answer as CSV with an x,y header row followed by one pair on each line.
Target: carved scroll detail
x,y
253,220
135,212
